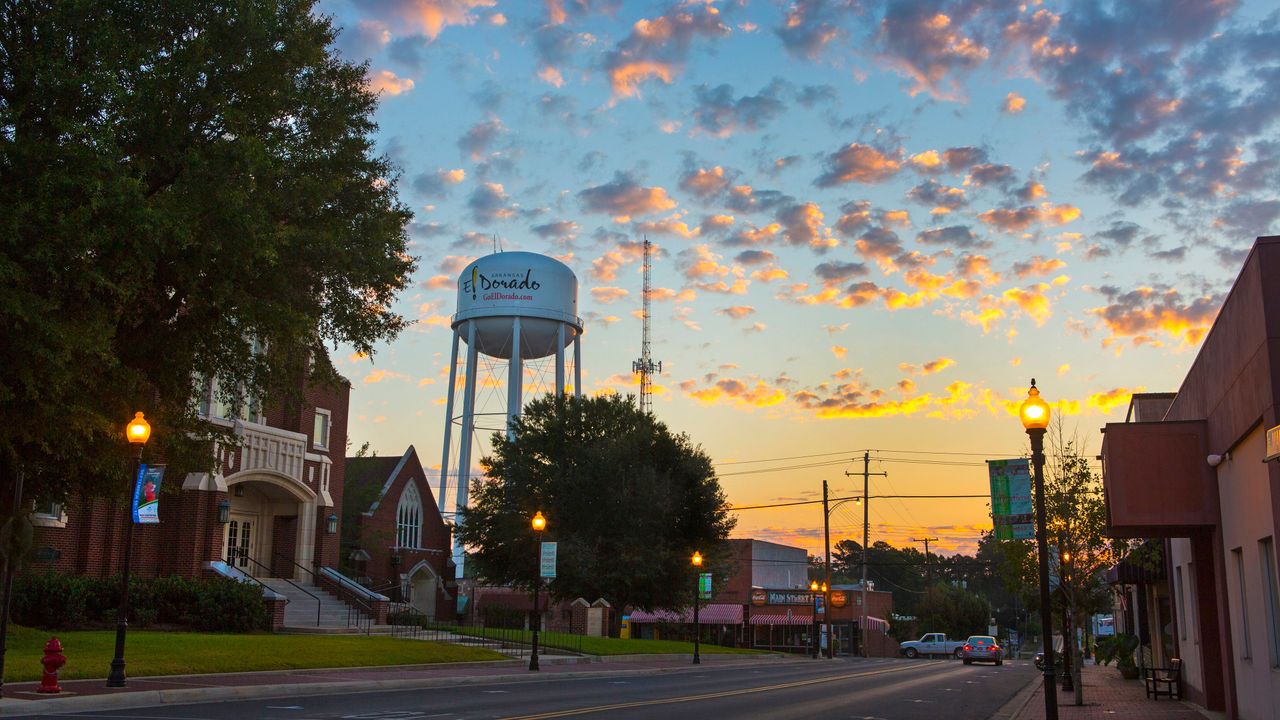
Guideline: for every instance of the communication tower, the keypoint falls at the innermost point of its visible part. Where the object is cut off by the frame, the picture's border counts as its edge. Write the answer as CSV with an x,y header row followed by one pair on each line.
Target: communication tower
x,y
645,366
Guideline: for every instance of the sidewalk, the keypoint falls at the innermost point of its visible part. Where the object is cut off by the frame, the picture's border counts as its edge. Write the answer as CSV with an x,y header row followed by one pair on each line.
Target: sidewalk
x,y
1106,695
84,695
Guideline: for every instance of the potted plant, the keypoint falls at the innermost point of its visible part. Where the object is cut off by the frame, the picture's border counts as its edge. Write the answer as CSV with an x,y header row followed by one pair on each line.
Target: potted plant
x,y
1120,647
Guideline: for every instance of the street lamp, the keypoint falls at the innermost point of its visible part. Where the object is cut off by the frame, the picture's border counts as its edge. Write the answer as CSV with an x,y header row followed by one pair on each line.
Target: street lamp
x,y
138,431
539,524
697,590
813,590
1035,418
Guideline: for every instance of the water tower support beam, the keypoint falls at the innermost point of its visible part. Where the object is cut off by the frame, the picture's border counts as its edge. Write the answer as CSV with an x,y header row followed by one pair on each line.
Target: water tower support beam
x,y
515,380
448,421
464,444
560,360
577,364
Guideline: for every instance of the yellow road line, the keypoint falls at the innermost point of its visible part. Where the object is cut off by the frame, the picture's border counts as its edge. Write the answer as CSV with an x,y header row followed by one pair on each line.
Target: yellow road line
x,y
709,696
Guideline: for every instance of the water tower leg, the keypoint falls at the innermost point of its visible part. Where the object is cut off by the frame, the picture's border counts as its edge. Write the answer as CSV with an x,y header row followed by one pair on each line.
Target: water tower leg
x,y
560,360
448,421
577,364
515,380
464,442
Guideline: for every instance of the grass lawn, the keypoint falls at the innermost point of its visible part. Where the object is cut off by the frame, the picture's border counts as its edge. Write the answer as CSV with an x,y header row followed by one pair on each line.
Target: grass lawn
x,y
602,645
89,652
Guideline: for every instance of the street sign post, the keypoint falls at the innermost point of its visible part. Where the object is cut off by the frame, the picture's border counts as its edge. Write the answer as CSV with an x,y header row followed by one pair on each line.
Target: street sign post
x,y
1012,513
548,564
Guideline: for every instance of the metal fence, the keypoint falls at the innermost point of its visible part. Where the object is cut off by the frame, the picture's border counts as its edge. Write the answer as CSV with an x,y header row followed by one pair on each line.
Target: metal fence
x,y
407,621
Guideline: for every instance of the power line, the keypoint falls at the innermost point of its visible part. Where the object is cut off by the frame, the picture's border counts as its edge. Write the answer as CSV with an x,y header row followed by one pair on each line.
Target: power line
x,y
855,497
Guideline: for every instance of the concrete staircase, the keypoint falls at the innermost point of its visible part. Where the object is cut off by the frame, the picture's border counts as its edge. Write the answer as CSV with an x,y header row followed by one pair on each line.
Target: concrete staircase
x,y
335,616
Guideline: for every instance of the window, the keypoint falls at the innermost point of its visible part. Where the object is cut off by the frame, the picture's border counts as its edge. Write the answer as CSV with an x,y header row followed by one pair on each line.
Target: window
x,y
1237,556
1182,603
211,401
409,517
320,433
1270,597
47,513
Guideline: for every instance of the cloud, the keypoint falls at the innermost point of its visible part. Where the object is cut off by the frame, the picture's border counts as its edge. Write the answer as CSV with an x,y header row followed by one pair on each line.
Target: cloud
x,y
428,17
562,231
1037,266
1020,219
929,368
745,198
716,112
810,25
1146,314
657,49
748,393
385,82
1031,300
856,162
839,272
706,184
954,236
985,174
605,267
928,47
855,218
489,202
623,197
476,141
606,295
1013,104
802,225
737,312
931,192
839,351
437,184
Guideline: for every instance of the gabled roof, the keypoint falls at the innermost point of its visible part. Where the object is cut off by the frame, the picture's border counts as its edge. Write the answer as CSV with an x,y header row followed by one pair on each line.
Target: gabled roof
x,y
363,472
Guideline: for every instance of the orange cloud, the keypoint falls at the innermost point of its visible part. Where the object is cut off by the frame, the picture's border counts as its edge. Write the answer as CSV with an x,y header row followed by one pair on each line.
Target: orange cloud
x,y
607,295
1013,104
1019,219
856,162
388,83
1144,314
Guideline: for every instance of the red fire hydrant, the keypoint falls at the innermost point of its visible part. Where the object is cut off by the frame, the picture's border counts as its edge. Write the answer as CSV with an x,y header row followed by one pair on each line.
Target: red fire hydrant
x,y
53,660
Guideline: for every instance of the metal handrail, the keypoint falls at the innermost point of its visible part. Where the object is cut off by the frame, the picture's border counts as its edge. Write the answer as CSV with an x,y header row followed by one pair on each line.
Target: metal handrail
x,y
296,585
315,578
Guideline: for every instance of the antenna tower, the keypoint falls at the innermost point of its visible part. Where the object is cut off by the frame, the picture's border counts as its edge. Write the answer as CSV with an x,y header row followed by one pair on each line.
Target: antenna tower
x,y
645,366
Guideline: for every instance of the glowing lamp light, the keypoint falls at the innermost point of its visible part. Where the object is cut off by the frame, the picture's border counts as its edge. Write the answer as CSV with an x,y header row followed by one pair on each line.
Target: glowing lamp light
x,y
139,430
697,559
857,501
539,522
824,587
814,586
1034,411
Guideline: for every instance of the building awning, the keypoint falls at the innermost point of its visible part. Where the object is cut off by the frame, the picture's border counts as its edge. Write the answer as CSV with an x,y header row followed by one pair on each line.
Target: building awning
x,y
875,623
718,614
782,618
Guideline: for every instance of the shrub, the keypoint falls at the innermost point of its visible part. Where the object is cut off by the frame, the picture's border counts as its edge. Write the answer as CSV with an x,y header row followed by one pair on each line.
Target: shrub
x,y
55,601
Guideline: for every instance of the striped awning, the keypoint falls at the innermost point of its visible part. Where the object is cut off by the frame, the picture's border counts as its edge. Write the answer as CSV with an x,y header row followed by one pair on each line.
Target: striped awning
x,y
716,614
782,618
875,623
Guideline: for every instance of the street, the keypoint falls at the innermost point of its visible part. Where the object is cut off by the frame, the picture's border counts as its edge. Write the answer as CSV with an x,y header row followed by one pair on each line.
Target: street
x,y
859,689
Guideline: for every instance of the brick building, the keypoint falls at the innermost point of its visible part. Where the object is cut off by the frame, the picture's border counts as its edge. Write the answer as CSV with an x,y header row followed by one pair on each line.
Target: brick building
x,y
394,540
269,508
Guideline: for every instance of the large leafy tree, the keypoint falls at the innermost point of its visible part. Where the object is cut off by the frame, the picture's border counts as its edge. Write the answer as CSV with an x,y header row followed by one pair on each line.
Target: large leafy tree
x,y
183,182
627,500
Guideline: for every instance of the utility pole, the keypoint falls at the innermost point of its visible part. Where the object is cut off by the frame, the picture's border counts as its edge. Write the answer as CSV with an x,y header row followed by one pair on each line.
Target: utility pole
x,y
866,532
928,566
826,571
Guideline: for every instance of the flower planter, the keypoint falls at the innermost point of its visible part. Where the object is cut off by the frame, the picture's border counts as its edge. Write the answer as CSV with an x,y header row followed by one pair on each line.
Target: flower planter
x,y
1129,672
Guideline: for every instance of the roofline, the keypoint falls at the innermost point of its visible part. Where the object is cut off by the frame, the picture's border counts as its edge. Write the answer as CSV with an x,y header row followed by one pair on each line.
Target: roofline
x,y
386,486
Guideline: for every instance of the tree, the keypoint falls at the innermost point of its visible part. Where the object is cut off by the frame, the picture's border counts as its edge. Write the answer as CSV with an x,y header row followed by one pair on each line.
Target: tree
x,y
627,501
184,182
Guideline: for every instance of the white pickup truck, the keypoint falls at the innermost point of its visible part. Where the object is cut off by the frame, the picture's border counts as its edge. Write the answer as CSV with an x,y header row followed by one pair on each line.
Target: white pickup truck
x,y
931,644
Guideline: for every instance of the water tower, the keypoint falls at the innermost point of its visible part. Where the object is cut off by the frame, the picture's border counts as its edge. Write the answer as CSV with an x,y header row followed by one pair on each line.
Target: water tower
x,y
513,306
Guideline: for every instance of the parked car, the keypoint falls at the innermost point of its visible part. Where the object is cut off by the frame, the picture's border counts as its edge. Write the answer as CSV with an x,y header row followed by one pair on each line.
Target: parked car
x,y
1039,661
931,644
983,648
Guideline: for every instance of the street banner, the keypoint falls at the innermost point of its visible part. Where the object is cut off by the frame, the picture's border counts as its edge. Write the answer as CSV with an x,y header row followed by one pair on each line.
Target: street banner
x,y
819,608
704,586
548,564
1012,514
146,495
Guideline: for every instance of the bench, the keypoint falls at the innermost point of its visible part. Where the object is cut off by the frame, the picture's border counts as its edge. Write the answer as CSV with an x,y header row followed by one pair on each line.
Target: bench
x,y
1165,681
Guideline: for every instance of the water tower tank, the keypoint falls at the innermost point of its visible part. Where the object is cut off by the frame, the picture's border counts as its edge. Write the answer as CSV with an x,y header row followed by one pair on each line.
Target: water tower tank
x,y
514,306
540,290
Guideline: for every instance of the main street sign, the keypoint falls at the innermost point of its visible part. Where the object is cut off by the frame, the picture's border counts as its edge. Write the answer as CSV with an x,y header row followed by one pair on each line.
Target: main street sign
x,y
1012,514
548,564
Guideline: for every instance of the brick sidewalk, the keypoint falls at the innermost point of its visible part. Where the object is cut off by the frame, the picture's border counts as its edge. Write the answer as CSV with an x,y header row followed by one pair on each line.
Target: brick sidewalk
x,y
1109,696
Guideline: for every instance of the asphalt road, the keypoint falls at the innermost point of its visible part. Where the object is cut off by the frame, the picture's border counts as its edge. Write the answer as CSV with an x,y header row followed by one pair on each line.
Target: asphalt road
x,y
854,689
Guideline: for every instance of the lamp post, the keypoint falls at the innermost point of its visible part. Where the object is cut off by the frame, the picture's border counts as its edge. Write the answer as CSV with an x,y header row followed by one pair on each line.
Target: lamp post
x,y
539,524
813,590
1035,418
697,590
138,431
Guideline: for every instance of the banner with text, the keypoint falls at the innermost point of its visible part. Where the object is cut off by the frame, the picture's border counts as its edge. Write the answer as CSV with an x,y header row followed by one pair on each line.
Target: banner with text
x,y
146,494
1012,513
548,560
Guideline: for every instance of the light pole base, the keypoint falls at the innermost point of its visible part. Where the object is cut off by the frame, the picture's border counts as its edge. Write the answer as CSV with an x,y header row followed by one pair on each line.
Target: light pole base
x,y
116,677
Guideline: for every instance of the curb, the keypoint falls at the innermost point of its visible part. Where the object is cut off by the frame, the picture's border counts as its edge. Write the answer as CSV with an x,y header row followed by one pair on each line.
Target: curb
x,y
187,696
1019,702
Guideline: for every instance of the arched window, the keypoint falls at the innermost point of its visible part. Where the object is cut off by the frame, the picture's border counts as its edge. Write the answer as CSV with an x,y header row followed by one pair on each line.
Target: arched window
x,y
409,517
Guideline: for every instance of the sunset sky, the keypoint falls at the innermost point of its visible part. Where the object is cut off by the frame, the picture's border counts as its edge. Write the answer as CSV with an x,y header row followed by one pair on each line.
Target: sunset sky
x,y
874,221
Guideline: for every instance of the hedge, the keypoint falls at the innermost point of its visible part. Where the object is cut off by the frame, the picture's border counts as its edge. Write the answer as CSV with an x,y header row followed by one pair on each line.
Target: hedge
x,y
54,601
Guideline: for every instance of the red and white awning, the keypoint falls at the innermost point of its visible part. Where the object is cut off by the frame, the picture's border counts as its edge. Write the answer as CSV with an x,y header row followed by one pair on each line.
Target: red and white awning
x,y
716,614
782,618
875,623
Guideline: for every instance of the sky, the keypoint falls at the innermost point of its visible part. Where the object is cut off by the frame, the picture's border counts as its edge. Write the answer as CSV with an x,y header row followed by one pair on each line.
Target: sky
x,y
873,222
